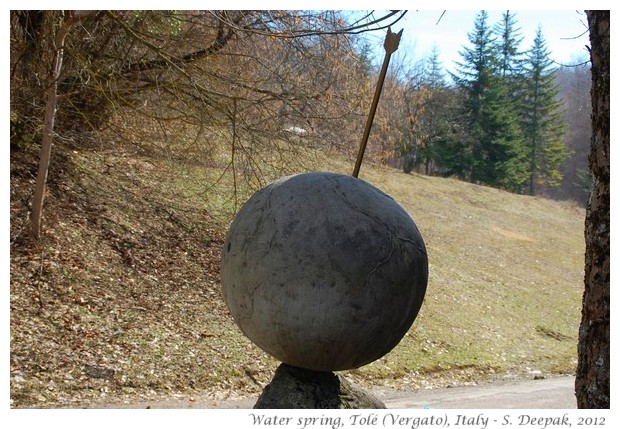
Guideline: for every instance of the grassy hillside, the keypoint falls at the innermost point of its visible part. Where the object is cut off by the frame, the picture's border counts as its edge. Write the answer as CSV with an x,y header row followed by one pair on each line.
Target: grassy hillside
x,y
121,298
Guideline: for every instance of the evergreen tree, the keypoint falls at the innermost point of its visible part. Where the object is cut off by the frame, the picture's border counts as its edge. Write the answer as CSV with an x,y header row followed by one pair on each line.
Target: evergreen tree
x,y
446,127
510,73
479,66
509,56
433,72
364,52
441,124
542,118
501,158
496,147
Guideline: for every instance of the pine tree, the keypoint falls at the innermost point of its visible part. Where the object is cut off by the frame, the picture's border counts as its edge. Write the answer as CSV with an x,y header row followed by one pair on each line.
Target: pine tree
x,y
447,152
476,72
441,123
542,118
509,39
501,159
433,73
510,75
496,145
510,57
364,50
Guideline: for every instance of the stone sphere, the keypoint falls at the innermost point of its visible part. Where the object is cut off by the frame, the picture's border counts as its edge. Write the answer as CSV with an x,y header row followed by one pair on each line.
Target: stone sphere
x,y
324,271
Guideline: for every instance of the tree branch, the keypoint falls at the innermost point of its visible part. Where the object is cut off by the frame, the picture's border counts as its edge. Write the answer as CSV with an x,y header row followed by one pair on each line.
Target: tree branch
x,y
224,34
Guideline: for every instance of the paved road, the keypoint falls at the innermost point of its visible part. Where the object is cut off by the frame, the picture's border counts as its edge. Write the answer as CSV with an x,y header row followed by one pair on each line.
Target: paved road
x,y
549,393
558,393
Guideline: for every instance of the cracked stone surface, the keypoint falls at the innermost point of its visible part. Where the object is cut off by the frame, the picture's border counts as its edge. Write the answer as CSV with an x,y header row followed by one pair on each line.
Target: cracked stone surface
x,y
324,271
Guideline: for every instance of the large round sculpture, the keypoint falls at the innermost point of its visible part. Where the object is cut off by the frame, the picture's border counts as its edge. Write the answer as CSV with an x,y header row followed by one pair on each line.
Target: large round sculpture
x,y
324,271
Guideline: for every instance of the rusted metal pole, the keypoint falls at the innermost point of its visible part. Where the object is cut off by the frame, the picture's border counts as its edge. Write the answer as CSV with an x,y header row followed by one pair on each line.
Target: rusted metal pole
x,y
390,45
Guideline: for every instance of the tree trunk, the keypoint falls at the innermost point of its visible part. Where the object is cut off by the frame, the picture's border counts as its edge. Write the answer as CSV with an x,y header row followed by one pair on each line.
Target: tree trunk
x,y
48,129
68,19
592,381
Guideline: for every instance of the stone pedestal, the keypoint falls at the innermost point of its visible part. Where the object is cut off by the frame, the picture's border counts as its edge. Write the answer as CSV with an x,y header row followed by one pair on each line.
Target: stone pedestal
x,y
294,388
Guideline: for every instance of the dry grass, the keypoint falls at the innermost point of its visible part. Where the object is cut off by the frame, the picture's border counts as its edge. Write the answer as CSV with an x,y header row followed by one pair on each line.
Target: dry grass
x,y
505,271
121,299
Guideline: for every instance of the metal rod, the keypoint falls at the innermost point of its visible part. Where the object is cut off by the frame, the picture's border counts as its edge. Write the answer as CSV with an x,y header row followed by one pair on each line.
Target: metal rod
x,y
390,45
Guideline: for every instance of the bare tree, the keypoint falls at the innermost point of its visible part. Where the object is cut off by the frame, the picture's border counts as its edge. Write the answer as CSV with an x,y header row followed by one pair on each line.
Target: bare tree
x,y
62,28
185,73
574,83
593,370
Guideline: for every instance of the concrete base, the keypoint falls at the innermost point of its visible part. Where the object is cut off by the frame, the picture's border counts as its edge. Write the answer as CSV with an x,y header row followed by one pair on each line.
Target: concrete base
x,y
295,388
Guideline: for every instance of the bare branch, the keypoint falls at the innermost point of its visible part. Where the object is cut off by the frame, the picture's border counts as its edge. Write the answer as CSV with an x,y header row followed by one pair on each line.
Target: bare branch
x,y
381,23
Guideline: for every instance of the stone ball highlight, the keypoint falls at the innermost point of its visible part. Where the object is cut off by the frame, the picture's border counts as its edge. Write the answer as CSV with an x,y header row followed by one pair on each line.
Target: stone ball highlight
x,y
324,271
